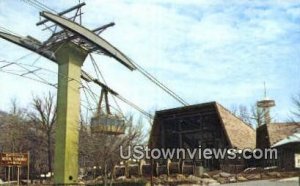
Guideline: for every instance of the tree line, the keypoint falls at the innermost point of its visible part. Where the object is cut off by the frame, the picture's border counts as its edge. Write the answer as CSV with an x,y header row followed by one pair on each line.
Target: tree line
x,y
254,116
32,129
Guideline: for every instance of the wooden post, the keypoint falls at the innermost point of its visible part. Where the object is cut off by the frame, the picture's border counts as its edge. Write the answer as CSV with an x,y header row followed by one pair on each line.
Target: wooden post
x,y
12,173
18,175
5,172
28,168
152,164
8,177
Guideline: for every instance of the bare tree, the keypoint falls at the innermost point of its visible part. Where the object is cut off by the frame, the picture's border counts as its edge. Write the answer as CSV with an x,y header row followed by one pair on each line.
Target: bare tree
x,y
242,112
23,131
101,150
43,117
245,114
251,115
257,116
13,128
14,106
296,111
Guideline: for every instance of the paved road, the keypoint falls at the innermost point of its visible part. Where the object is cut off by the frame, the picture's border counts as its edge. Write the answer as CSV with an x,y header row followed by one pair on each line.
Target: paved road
x,y
282,182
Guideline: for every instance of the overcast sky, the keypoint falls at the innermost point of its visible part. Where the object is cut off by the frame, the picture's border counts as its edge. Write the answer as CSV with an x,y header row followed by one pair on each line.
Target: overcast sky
x,y
204,50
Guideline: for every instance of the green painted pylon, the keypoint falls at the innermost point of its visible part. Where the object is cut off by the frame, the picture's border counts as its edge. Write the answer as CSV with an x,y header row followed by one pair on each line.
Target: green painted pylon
x,y
70,58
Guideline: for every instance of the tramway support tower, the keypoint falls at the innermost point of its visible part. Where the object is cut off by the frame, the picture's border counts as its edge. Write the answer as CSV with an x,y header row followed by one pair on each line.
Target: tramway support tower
x,y
68,46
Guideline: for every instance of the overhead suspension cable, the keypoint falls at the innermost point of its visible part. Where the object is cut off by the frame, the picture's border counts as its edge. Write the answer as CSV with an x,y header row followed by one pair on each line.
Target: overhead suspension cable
x,y
88,88
39,80
38,5
97,70
152,79
134,106
140,69
160,84
33,5
87,99
44,6
90,92
9,31
125,101
119,96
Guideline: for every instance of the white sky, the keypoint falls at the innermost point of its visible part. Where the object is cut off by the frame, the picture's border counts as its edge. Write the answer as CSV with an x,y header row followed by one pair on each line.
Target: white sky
x,y
203,50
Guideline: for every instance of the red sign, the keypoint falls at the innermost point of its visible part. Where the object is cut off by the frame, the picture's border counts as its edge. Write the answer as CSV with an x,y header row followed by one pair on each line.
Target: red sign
x,y
13,159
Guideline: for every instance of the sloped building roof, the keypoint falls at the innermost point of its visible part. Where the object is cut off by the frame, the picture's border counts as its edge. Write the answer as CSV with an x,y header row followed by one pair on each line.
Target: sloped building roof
x,y
268,135
294,138
239,134
278,131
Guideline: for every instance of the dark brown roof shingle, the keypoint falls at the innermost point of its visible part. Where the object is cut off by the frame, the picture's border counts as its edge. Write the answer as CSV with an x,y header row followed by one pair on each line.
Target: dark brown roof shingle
x,y
239,133
279,131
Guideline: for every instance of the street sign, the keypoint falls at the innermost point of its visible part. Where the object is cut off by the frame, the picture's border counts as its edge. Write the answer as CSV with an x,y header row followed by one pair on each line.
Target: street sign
x,y
13,159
